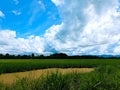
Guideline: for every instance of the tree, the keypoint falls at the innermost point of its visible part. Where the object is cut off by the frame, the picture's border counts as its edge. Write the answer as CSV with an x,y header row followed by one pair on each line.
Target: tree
x,y
58,55
32,55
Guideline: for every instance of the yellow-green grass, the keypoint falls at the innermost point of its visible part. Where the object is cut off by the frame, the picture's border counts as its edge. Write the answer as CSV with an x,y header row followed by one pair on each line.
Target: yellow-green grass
x,y
102,78
10,78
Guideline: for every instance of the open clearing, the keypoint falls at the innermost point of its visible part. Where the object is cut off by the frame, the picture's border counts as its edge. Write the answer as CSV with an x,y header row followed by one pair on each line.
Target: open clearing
x,y
12,77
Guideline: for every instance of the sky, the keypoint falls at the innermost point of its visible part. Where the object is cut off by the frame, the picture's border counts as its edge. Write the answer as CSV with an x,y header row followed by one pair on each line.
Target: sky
x,y
74,27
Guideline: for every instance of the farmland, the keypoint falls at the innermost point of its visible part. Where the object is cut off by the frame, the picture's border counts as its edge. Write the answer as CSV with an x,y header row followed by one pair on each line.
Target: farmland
x,y
8,66
105,76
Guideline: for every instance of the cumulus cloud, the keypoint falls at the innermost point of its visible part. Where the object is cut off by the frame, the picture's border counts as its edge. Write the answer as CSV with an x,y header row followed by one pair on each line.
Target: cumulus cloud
x,y
10,44
2,14
117,50
88,26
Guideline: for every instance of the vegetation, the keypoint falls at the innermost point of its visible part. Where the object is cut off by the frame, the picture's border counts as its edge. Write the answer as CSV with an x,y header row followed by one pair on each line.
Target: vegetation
x,y
56,56
7,66
103,78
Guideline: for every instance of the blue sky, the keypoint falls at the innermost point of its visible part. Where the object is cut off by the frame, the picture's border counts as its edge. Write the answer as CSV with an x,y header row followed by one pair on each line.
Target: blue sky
x,y
28,17
74,27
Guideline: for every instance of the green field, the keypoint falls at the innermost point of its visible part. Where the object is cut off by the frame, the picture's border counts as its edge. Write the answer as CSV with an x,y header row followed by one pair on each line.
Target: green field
x,y
8,66
106,75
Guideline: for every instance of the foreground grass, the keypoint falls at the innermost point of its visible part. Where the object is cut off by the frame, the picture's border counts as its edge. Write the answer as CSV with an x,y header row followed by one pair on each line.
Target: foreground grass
x,y
103,78
8,66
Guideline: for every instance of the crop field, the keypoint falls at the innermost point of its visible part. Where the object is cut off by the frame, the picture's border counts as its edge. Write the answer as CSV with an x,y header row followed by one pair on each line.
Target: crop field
x,y
8,66
102,74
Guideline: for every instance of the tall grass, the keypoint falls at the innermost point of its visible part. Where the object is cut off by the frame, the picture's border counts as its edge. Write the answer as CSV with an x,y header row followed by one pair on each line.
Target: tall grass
x,y
7,66
103,78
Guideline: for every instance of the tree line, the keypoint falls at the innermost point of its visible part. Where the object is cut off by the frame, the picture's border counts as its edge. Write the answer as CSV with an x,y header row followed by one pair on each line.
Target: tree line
x,y
53,56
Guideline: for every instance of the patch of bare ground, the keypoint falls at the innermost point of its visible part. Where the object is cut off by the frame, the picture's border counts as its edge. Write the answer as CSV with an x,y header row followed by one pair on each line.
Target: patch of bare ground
x,y
34,74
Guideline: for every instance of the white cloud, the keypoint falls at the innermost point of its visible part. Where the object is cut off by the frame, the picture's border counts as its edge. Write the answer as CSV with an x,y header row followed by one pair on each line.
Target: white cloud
x,y
88,26
16,12
6,36
10,44
58,2
117,50
2,14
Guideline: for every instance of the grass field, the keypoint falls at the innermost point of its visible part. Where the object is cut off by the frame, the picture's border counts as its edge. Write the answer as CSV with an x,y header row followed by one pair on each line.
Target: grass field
x,y
106,75
8,66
